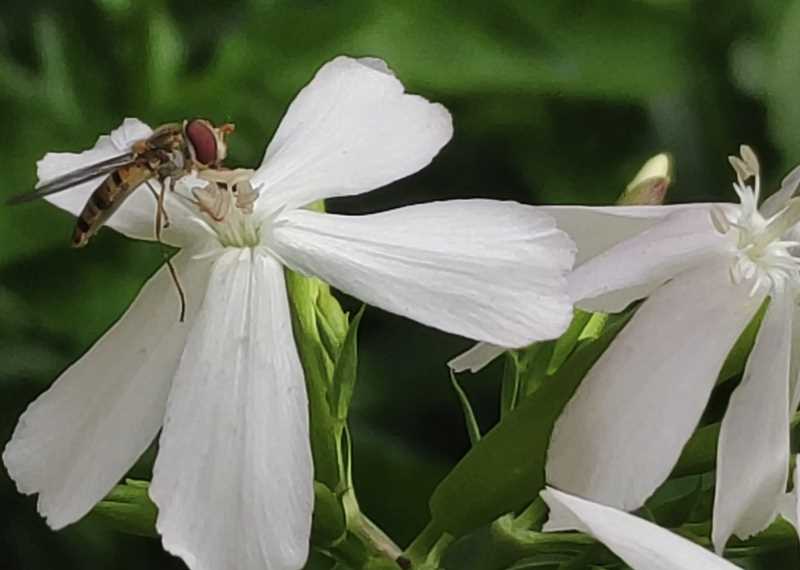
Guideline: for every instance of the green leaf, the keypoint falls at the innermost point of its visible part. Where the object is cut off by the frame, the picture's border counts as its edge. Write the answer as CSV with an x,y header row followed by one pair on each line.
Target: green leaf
x,y
502,545
737,358
345,372
128,508
675,501
473,430
699,453
505,469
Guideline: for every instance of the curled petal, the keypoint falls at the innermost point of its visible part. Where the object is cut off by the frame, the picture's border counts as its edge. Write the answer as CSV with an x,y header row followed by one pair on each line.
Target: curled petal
x,y
350,130
233,479
753,452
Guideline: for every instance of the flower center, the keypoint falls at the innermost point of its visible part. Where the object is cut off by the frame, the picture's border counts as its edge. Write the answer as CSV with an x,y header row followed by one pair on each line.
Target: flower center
x,y
237,229
225,205
763,255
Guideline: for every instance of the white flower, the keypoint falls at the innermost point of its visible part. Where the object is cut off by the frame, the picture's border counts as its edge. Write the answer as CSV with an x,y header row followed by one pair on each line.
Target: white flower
x,y
707,269
233,477
641,544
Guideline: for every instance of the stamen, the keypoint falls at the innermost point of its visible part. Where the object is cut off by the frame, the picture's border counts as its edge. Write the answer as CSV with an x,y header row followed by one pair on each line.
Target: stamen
x,y
719,219
780,223
740,167
762,255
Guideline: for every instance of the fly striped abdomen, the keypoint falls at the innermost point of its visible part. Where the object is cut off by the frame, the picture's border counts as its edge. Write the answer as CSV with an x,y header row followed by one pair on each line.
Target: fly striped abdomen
x,y
105,200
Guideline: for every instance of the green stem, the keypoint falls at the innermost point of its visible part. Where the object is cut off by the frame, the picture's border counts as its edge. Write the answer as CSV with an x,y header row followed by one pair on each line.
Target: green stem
x,y
532,517
427,548
376,541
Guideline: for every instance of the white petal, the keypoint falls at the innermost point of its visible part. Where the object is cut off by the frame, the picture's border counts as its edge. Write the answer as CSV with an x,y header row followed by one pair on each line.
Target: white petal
x,y
753,452
476,357
233,479
794,369
595,229
136,217
620,435
779,199
635,267
80,437
350,130
488,270
641,544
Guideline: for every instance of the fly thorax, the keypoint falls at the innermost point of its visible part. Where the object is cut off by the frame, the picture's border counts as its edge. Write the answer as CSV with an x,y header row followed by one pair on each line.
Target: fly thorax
x,y
765,253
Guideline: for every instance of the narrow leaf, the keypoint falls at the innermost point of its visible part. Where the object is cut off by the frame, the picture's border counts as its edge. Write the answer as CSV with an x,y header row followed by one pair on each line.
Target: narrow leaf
x,y
345,373
473,430
509,386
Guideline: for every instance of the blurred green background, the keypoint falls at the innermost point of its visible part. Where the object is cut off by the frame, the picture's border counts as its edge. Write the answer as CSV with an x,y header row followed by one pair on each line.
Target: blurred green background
x,y
553,102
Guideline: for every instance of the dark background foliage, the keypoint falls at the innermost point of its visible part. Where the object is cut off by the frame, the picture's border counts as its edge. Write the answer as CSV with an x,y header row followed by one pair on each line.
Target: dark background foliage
x,y
553,102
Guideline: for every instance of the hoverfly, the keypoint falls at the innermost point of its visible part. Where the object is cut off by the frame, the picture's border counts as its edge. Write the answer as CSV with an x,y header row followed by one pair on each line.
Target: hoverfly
x,y
172,151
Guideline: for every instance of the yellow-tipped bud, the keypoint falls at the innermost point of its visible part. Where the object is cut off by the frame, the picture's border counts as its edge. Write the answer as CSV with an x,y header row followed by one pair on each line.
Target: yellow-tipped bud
x,y
649,186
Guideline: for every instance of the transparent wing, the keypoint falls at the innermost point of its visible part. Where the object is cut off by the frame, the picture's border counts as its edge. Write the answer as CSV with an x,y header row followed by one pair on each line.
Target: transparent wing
x,y
74,178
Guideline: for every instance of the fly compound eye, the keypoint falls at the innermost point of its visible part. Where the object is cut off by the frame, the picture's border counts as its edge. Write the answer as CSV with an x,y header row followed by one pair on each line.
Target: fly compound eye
x,y
201,137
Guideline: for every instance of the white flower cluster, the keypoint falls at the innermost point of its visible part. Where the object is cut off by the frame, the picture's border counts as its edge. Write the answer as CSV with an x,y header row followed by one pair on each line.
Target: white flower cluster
x,y
233,479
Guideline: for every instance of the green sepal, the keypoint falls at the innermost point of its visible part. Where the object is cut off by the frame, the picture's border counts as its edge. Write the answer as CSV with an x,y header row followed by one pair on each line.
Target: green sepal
x,y
567,341
329,523
310,297
505,469
534,363
128,508
345,372
594,327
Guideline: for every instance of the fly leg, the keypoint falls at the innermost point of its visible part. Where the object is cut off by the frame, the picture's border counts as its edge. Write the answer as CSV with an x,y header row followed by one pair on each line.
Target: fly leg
x,y
162,221
162,218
